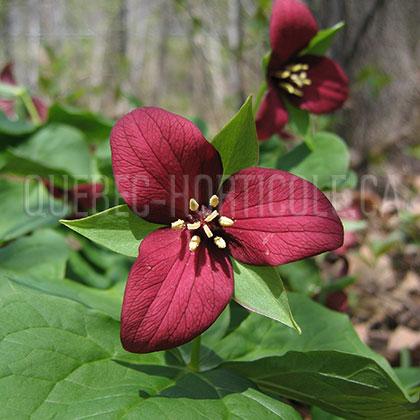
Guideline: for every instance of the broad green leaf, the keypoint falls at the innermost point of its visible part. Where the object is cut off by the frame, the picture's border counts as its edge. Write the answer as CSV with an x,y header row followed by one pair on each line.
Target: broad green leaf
x,y
58,147
260,289
108,301
118,229
61,360
349,181
327,365
95,126
201,124
270,151
325,165
25,206
299,122
22,166
318,414
14,128
84,272
409,376
237,143
302,276
43,254
320,43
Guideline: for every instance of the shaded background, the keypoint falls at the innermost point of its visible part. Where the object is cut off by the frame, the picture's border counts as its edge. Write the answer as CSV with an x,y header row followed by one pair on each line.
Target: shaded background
x,y
203,58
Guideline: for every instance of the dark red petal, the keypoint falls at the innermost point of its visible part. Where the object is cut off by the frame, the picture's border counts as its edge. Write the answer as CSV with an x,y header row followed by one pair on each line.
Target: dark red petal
x,y
6,75
278,217
86,195
172,294
272,115
329,88
337,301
7,107
41,108
292,26
160,161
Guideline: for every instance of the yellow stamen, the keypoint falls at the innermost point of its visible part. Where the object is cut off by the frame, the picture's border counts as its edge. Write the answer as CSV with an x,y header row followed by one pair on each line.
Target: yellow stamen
x,y
194,243
211,216
282,74
225,221
297,80
304,66
214,200
178,224
304,78
194,205
292,90
207,231
193,226
294,67
220,242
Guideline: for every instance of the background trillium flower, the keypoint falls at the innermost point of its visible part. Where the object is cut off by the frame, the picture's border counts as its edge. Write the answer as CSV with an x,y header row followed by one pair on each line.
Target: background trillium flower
x,y
310,82
168,173
7,106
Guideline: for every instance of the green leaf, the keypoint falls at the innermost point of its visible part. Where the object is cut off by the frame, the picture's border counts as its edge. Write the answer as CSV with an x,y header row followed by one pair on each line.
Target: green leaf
x,y
25,206
354,225
237,143
325,165
15,128
21,166
43,254
57,147
61,360
95,126
108,301
318,414
201,124
302,276
349,181
327,365
265,61
260,289
320,43
409,376
299,122
85,273
118,229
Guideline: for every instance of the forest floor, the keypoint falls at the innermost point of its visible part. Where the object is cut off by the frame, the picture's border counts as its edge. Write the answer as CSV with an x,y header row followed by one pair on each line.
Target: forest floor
x,y
384,301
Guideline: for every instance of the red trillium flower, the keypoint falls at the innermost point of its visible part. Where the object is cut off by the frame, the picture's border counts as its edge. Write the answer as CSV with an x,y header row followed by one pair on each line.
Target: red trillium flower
x,y
168,173
309,82
82,196
6,76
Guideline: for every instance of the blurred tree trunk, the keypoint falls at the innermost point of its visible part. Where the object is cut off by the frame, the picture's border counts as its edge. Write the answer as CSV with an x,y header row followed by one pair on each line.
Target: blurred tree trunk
x,y
5,26
160,86
235,38
115,55
33,22
379,49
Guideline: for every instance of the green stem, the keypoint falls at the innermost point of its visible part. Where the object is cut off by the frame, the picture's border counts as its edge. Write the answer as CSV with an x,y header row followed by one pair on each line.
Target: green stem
x,y
195,353
259,97
30,106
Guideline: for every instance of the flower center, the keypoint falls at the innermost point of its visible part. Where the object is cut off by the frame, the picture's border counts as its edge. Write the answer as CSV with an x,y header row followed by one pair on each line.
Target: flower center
x,y
205,221
293,78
